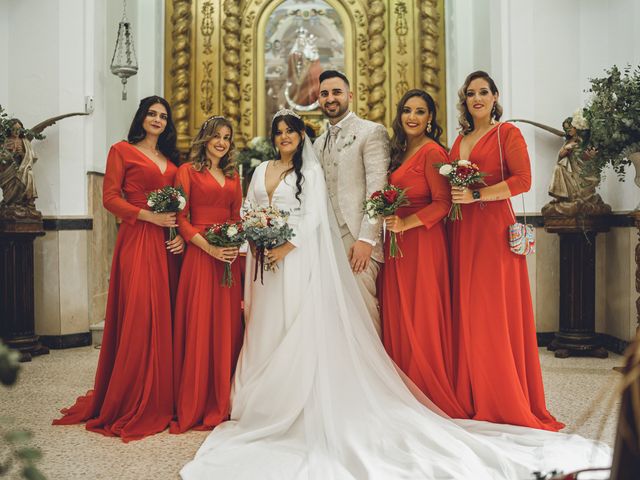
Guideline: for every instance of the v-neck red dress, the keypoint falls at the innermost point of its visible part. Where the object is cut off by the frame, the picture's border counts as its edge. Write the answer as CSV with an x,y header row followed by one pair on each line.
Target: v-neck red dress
x,y
208,323
133,392
498,376
415,288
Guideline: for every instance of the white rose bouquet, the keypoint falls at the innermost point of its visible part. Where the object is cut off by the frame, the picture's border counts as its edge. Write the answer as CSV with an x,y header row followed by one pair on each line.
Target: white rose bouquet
x,y
229,234
461,173
167,200
267,228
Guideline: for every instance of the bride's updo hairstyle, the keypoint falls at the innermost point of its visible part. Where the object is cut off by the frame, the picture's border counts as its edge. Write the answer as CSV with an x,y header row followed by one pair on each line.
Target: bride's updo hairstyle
x,y
294,122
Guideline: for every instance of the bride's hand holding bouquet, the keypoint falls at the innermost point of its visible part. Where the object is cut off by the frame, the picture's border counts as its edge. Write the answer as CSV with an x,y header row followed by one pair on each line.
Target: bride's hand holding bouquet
x,y
269,233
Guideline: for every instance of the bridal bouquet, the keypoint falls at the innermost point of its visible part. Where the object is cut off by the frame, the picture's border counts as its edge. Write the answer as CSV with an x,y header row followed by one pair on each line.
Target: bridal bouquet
x,y
229,234
461,173
167,200
267,228
383,203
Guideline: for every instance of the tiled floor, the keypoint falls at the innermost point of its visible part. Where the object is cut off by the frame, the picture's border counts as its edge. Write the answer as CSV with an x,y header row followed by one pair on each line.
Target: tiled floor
x,y
70,452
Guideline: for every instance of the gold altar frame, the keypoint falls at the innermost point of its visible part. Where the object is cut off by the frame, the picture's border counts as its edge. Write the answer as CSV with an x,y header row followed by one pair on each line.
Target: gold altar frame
x,y
214,59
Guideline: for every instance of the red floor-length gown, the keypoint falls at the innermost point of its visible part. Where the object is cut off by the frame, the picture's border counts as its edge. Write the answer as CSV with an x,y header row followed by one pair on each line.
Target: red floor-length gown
x,y
208,323
133,391
498,376
415,287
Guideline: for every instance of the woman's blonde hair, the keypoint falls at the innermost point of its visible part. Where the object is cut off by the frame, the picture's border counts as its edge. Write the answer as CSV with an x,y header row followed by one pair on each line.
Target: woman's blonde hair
x,y
465,120
198,152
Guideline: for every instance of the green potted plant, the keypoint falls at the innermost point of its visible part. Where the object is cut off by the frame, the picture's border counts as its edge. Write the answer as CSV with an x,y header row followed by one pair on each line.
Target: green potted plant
x,y
612,117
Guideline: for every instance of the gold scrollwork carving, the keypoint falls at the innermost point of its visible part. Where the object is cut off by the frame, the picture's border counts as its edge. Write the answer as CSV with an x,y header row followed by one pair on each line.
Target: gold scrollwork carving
x,y
401,27
207,26
206,88
377,74
402,85
180,74
390,45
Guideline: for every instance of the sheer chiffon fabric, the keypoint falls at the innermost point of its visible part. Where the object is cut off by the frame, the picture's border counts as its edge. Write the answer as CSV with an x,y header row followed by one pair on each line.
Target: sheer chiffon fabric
x,y
132,395
317,398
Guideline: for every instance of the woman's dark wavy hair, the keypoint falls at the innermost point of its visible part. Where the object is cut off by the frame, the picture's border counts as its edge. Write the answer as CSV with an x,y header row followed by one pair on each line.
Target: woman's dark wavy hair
x,y
465,120
399,138
198,152
167,139
298,126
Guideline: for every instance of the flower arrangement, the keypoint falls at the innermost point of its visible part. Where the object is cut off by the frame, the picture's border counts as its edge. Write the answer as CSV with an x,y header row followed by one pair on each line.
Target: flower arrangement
x,y
167,200
461,173
258,150
267,228
612,118
383,203
229,234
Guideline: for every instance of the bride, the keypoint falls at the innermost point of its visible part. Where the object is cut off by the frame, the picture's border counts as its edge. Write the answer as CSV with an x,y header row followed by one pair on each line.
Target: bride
x,y
315,395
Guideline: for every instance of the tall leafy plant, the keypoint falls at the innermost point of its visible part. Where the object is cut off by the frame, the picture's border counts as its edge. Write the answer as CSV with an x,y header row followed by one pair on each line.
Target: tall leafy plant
x,y
613,116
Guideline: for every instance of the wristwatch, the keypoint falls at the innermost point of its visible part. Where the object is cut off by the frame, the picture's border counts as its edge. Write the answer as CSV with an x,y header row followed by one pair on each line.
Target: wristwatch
x,y
475,194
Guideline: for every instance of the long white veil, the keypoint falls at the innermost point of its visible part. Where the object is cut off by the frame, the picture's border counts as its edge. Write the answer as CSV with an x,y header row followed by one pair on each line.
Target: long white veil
x,y
329,404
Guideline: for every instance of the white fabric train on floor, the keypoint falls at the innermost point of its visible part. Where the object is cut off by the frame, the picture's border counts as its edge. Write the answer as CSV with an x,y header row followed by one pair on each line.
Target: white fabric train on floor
x,y
317,398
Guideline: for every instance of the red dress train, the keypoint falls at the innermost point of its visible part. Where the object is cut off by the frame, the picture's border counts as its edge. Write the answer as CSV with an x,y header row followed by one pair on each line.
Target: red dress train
x,y
133,391
498,376
415,288
208,323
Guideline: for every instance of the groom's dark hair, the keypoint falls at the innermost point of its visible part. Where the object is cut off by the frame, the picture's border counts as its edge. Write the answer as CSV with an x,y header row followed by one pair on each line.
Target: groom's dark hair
x,y
327,74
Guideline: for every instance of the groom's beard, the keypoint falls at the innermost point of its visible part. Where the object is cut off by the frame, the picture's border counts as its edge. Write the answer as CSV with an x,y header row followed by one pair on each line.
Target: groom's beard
x,y
340,112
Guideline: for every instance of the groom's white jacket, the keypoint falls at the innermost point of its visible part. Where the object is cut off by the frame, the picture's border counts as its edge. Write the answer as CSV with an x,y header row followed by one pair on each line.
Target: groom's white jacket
x,y
355,168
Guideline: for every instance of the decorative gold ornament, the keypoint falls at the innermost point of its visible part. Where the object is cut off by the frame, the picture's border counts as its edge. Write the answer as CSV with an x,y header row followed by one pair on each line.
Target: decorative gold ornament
x,y
215,59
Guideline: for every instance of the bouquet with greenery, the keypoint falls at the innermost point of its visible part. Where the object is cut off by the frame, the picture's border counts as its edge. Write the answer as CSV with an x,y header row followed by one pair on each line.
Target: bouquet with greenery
x,y
267,228
613,119
229,234
383,203
460,173
167,200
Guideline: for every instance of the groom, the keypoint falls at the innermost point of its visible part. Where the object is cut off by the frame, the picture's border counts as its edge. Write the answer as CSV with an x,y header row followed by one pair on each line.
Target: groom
x,y
355,158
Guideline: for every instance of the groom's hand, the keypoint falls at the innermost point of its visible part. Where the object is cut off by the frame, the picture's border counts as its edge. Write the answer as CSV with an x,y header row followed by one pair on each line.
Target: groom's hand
x,y
360,256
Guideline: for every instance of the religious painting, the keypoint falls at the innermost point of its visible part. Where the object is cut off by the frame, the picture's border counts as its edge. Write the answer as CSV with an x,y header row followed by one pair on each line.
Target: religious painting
x,y
302,38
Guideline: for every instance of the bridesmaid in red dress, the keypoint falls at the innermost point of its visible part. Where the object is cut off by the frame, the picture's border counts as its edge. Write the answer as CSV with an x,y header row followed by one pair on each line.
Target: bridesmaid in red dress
x,y
498,376
208,324
133,391
415,287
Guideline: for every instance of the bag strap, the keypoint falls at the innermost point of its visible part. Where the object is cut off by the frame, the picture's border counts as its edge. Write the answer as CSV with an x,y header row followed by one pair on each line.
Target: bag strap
x,y
502,172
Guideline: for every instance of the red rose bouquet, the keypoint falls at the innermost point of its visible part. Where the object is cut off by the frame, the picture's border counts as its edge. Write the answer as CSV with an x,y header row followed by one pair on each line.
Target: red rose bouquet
x,y
461,173
383,203
229,234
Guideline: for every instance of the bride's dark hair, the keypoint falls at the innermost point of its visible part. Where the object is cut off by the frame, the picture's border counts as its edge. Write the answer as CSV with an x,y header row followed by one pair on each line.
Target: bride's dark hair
x,y
297,125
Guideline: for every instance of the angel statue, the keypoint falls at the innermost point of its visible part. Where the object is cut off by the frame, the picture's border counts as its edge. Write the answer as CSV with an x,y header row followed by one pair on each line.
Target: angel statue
x,y
572,187
17,158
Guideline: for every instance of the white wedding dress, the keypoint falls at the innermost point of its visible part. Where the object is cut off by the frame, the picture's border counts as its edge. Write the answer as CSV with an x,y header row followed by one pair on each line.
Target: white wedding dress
x,y
317,398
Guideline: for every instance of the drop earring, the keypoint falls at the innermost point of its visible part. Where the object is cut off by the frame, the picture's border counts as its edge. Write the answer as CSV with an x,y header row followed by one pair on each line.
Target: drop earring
x,y
493,115
429,126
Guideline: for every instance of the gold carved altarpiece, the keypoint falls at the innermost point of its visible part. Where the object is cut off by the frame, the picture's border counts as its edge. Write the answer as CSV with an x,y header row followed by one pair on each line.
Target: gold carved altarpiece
x,y
214,58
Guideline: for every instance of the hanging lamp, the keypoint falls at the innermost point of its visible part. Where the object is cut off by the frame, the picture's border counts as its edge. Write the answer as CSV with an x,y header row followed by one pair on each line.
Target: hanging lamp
x,y
124,63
